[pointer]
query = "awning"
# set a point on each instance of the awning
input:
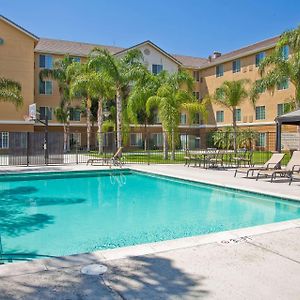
(292, 118)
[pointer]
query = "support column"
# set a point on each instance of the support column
(278, 137)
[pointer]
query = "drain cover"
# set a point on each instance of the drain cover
(94, 269)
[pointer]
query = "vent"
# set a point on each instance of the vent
(250, 119)
(245, 119)
(147, 51)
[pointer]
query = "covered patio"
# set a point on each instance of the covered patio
(292, 118)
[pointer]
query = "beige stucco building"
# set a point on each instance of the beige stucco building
(23, 55)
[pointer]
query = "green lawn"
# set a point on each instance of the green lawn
(259, 157)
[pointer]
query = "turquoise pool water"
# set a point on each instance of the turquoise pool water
(67, 213)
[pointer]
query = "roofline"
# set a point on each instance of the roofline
(153, 45)
(10, 22)
(211, 64)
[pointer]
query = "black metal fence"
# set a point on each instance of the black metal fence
(34, 148)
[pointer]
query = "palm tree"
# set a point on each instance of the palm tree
(10, 91)
(230, 95)
(59, 74)
(122, 72)
(145, 87)
(170, 100)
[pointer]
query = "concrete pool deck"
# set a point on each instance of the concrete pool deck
(261, 262)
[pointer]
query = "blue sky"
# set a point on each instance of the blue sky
(188, 27)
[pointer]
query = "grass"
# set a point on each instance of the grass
(258, 158)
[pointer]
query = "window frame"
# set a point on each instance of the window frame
(138, 139)
(159, 68)
(45, 82)
(6, 134)
(49, 112)
(258, 112)
(258, 59)
(222, 114)
(219, 70)
(240, 114)
(47, 58)
(234, 66)
(72, 113)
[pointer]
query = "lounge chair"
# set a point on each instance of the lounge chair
(294, 177)
(293, 166)
(272, 164)
(114, 160)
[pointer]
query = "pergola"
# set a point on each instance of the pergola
(292, 118)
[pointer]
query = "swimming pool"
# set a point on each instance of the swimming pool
(64, 213)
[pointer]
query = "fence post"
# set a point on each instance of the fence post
(76, 151)
(27, 148)
(148, 148)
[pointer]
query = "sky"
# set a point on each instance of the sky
(189, 27)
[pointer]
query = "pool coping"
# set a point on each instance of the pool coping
(224, 238)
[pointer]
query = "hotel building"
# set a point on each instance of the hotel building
(23, 55)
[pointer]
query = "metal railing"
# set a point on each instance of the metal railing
(138, 147)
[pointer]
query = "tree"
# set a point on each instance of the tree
(59, 74)
(10, 91)
(122, 71)
(145, 87)
(171, 98)
(230, 95)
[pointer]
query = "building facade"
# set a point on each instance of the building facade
(23, 55)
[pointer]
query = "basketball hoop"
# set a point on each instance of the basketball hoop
(32, 112)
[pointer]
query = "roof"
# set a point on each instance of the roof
(260, 46)
(292, 118)
(6, 20)
(154, 46)
(190, 61)
(74, 48)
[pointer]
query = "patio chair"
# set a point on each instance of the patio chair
(272, 164)
(189, 158)
(115, 160)
(241, 157)
(293, 166)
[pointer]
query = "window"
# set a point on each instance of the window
(261, 140)
(156, 69)
(219, 70)
(45, 87)
(197, 95)
(283, 108)
(183, 118)
(260, 112)
(74, 114)
(285, 51)
(75, 59)
(238, 114)
(46, 61)
(196, 75)
(136, 139)
(4, 140)
(196, 118)
(220, 116)
(236, 66)
(283, 85)
(75, 139)
(259, 57)
(45, 111)
(157, 139)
